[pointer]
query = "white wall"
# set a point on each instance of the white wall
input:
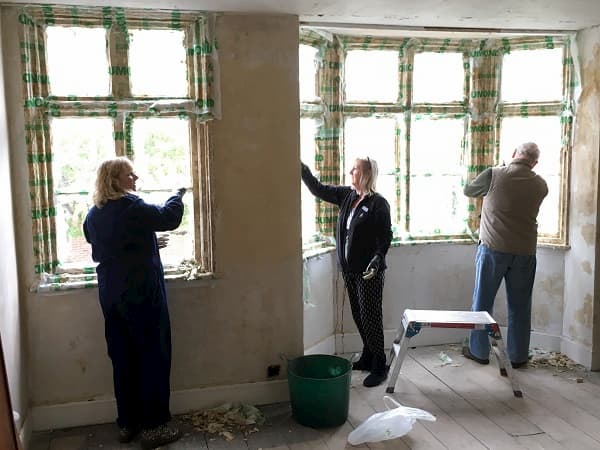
(433, 276)
(10, 309)
(319, 292)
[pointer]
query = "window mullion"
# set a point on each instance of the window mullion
(119, 135)
(118, 61)
(404, 216)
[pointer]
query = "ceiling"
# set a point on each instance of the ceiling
(471, 14)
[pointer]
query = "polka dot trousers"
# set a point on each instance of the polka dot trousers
(366, 305)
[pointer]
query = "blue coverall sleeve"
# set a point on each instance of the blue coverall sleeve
(159, 218)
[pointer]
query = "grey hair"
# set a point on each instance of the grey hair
(528, 150)
(369, 174)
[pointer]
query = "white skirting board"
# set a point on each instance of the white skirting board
(577, 352)
(351, 342)
(105, 410)
(25, 433)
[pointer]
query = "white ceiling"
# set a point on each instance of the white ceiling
(470, 14)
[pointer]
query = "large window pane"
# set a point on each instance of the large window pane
(308, 130)
(371, 76)
(375, 138)
(162, 161)
(308, 73)
(162, 153)
(532, 75)
(437, 203)
(72, 247)
(158, 63)
(546, 133)
(438, 77)
(180, 246)
(77, 62)
(79, 145)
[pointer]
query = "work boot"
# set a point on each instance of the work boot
(518, 365)
(378, 373)
(160, 435)
(466, 351)
(376, 377)
(365, 362)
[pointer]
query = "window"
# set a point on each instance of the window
(434, 113)
(313, 138)
(113, 82)
(535, 109)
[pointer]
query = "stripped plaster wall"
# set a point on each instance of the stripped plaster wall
(581, 268)
(227, 330)
(10, 308)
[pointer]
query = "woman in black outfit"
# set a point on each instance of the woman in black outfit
(364, 234)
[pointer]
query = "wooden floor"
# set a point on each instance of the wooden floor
(474, 406)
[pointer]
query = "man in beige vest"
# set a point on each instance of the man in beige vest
(507, 249)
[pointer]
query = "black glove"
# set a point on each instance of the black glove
(372, 268)
(181, 191)
(305, 171)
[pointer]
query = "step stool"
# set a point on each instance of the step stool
(413, 320)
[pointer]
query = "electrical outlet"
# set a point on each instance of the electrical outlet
(273, 371)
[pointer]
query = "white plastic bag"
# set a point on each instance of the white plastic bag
(391, 424)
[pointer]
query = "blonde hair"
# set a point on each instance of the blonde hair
(368, 179)
(108, 186)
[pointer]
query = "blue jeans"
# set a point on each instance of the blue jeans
(518, 272)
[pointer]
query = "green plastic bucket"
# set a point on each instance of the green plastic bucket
(319, 390)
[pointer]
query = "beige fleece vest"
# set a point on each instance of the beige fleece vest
(510, 209)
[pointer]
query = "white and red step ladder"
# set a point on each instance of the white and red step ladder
(414, 320)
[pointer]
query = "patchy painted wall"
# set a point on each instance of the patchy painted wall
(581, 268)
(441, 276)
(10, 308)
(227, 330)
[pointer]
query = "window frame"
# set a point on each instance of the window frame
(121, 107)
(405, 108)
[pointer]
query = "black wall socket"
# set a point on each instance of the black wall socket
(273, 371)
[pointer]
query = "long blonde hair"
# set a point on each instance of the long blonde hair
(108, 186)
(368, 179)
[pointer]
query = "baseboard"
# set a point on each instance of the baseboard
(543, 341)
(24, 433)
(578, 352)
(351, 342)
(104, 410)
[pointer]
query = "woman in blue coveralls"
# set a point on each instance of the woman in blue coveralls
(121, 228)
(364, 234)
